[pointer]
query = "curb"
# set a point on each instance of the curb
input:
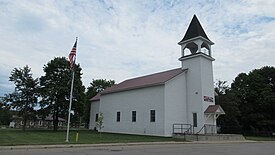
(117, 144)
(83, 145)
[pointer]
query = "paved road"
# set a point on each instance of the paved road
(260, 148)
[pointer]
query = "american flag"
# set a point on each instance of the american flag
(72, 55)
(208, 99)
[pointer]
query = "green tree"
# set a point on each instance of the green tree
(221, 87)
(55, 90)
(5, 114)
(255, 94)
(24, 97)
(96, 86)
(229, 122)
(99, 123)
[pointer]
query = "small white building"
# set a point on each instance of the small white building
(174, 101)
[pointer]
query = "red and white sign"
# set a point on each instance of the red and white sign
(208, 99)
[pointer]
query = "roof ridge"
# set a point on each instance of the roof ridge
(152, 74)
(154, 79)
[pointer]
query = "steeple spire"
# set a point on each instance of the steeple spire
(194, 30)
(195, 40)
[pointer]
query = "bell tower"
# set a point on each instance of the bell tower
(195, 40)
(196, 57)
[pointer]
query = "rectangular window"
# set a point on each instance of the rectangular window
(195, 120)
(118, 116)
(59, 123)
(96, 117)
(152, 115)
(40, 123)
(134, 116)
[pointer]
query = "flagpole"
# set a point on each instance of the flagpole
(70, 107)
(72, 57)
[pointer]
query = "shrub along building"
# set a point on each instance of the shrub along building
(174, 101)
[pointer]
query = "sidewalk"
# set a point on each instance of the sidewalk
(115, 144)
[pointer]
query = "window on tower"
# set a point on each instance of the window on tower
(195, 120)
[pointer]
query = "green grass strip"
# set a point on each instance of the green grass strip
(9, 137)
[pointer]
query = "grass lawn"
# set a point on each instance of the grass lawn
(36, 137)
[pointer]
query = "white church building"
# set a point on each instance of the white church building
(175, 101)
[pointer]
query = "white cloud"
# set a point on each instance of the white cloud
(124, 39)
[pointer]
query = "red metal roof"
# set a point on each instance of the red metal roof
(96, 98)
(142, 82)
(214, 109)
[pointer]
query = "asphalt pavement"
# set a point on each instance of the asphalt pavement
(113, 144)
(155, 148)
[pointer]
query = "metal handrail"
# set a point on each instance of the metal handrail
(183, 128)
(210, 129)
(206, 127)
(201, 129)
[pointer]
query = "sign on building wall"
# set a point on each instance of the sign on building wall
(208, 99)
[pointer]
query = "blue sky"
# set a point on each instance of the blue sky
(122, 39)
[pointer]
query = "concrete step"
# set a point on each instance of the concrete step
(212, 137)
